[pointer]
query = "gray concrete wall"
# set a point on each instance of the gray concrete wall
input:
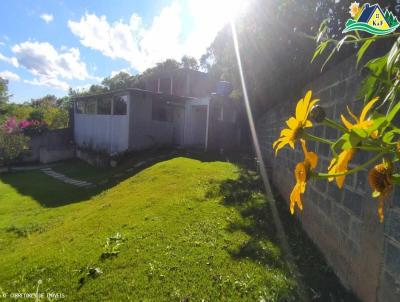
(343, 223)
(223, 133)
(52, 145)
(144, 131)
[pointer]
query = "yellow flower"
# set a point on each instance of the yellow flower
(296, 124)
(362, 122)
(302, 173)
(339, 165)
(380, 180)
(355, 9)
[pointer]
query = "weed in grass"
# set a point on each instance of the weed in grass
(112, 246)
(86, 273)
(25, 231)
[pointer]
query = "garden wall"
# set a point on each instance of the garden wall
(50, 146)
(364, 253)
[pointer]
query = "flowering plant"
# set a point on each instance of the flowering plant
(370, 132)
(373, 131)
(28, 127)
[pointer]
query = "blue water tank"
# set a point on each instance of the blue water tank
(224, 88)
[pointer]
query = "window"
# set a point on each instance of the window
(104, 106)
(120, 105)
(80, 107)
(91, 106)
(160, 111)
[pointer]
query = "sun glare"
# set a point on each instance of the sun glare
(216, 13)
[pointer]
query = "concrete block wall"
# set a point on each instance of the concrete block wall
(364, 253)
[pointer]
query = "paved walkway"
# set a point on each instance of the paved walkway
(61, 177)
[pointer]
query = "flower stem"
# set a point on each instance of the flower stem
(330, 123)
(316, 138)
(359, 168)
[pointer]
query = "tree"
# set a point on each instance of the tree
(3, 91)
(121, 80)
(43, 102)
(190, 63)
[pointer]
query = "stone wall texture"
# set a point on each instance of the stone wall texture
(364, 253)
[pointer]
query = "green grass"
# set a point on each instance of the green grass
(190, 230)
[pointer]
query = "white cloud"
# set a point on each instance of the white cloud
(47, 17)
(13, 61)
(143, 46)
(43, 60)
(49, 66)
(9, 75)
(50, 82)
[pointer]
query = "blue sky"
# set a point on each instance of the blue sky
(47, 46)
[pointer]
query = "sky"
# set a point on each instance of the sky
(47, 46)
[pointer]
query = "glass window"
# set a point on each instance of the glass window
(91, 106)
(80, 107)
(120, 105)
(104, 105)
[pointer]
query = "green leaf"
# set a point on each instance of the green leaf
(363, 49)
(320, 49)
(328, 58)
(389, 136)
(360, 132)
(380, 121)
(393, 56)
(393, 112)
(350, 140)
(371, 83)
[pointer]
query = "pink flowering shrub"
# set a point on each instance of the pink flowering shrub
(10, 125)
(27, 127)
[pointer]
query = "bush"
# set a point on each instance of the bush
(12, 146)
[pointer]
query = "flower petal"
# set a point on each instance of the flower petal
(279, 146)
(312, 158)
(292, 123)
(367, 108)
(346, 122)
(307, 124)
(300, 110)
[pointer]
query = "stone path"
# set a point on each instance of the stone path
(61, 177)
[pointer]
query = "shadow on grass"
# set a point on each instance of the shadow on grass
(50, 192)
(245, 194)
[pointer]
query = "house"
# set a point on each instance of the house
(176, 109)
(374, 16)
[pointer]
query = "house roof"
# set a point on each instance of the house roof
(368, 11)
(120, 91)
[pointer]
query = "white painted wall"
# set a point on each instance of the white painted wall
(102, 132)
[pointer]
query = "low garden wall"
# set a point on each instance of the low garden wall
(344, 224)
(51, 146)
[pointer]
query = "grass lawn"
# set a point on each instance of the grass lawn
(179, 230)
